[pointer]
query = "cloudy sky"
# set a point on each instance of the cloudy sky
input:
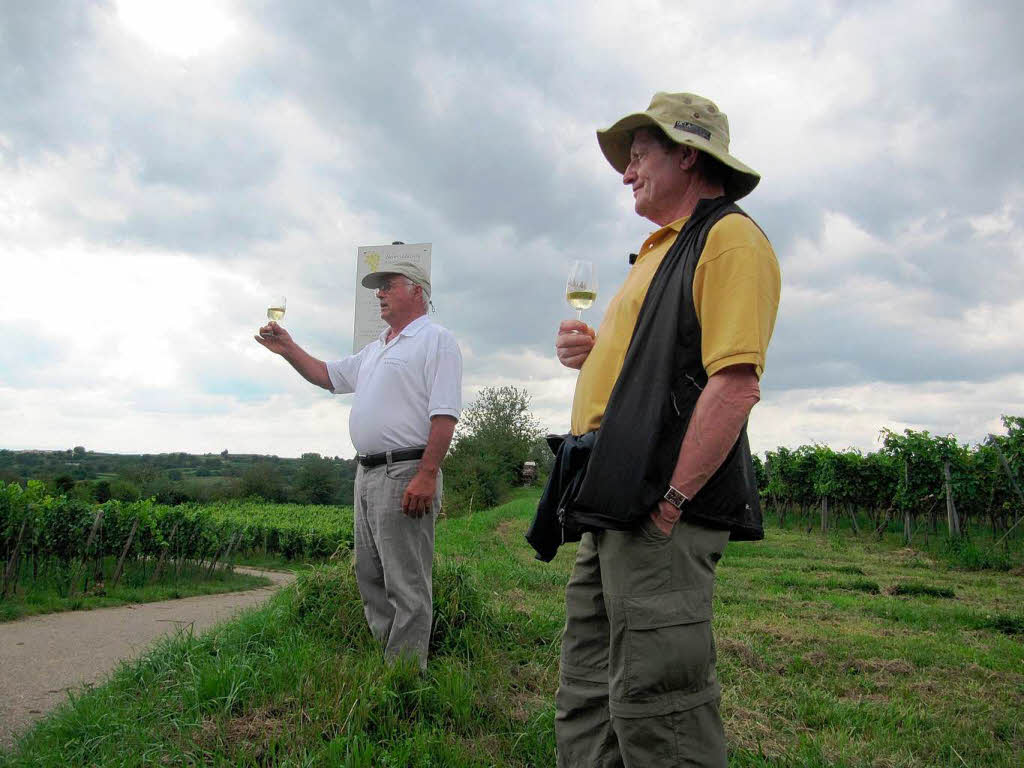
(166, 167)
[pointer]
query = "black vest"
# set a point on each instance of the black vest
(650, 407)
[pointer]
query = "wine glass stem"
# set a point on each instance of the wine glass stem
(579, 315)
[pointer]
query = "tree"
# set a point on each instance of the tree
(263, 479)
(318, 481)
(540, 453)
(496, 435)
(500, 421)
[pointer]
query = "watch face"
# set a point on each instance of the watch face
(674, 497)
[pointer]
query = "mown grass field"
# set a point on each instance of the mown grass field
(831, 652)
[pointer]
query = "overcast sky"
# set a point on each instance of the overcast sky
(167, 167)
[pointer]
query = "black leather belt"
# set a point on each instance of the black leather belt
(376, 459)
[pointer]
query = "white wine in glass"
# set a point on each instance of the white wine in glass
(581, 287)
(275, 313)
(276, 309)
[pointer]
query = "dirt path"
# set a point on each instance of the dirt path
(41, 657)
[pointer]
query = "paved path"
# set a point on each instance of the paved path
(41, 657)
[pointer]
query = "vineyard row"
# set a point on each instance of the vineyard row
(915, 477)
(60, 534)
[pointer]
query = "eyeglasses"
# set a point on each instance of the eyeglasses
(387, 285)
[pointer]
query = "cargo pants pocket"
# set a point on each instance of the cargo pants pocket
(669, 654)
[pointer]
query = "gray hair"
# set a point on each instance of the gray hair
(710, 168)
(425, 292)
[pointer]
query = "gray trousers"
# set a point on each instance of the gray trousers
(637, 684)
(394, 559)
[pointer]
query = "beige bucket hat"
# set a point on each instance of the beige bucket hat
(686, 119)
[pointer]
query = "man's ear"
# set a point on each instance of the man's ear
(687, 158)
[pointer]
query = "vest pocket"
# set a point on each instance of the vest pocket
(668, 643)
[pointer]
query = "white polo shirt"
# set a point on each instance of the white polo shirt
(400, 385)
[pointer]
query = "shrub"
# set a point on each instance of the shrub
(124, 490)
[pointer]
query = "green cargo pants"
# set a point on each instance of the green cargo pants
(637, 686)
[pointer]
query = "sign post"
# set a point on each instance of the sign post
(374, 258)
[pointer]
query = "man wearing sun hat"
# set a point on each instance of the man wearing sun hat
(408, 397)
(661, 403)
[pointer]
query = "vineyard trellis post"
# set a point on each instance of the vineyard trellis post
(11, 571)
(124, 553)
(1009, 531)
(952, 519)
(880, 530)
(1006, 467)
(85, 552)
(97, 562)
(907, 533)
(236, 539)
(1013, 482)
(217, 553)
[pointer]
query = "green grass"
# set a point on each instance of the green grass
(50, 594)
(818, 671)
(822, 661)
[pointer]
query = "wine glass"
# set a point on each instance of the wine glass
(276, 308)
(581, 287)
(275, 311)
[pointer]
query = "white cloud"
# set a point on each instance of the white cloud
(184, 29)
(852, 416)
(162, 175)
(283, 425)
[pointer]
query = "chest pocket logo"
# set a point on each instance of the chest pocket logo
(396, 362)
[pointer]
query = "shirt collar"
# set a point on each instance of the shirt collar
(676, 225)
(660, 234)
(411, 329)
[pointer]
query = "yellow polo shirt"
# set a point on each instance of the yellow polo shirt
(736, 289)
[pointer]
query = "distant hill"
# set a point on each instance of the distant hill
(174, 478)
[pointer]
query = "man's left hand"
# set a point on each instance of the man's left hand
(419, 495)
(665, 517)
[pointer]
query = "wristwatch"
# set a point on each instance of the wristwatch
(675, 497)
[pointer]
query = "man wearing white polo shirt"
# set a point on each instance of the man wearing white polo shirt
(407, 388)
